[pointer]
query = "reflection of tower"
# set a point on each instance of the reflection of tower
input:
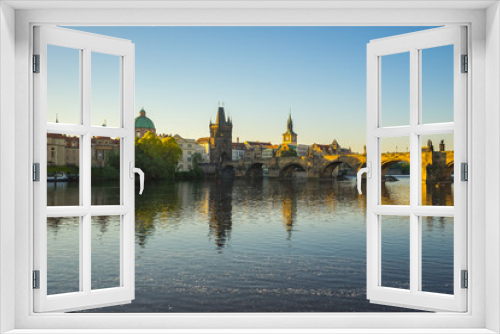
(221, 138)
(289, 209)
(289, 137)
(220, 212)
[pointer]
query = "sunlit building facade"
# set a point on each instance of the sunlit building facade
(189, 147)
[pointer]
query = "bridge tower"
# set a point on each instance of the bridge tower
(289, 137)
(221, 138)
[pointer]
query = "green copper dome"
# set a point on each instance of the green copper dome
(143, 122)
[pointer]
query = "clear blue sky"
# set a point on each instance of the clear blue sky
(260, 73)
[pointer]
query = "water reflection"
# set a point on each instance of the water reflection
(220, 212)
(63, 193)
(435, 194)
(438, 194)
(256, 246)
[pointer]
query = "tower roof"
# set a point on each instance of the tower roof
(289, 124)
(221, 117)
(144, 122)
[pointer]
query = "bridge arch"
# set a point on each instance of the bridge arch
(450, 168)
(388, 160)
(327, 171)
(256, 169)
(287, 170)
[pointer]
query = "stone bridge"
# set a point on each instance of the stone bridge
(285, 167)
(436, 166)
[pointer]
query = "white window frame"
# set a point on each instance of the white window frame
(86, 44)
(484, 82)
(414, 44)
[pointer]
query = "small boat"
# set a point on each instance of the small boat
(57, 177)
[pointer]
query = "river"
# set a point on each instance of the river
(259, 245)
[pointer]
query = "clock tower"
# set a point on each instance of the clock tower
(289, 137)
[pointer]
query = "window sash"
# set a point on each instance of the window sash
(86, 297)
(413, 43)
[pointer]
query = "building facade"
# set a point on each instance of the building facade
(205, 142)
(332, 149)
(254, 149)
(238, 151)
(221, 138)
(189, 147)
(63, 150)
(102, 147)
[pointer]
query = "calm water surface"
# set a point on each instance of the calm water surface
(251, 246)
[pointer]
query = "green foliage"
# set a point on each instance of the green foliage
(405, 168)
(105, 173)
(197, 159)
(114, 159)
(68, 169)
(288, 153)
(196, 173)
(157, 157)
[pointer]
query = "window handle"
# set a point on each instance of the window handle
(368, 172)
(139, 171)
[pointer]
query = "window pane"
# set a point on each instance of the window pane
(63, 249)
(395, 176)
(105, 252)
(437, 254)
(437, 170)
(105, 188)
(105, 90)
(395, 251)
(395, 89)
(437, 84)
(63, 85)
(63, 170)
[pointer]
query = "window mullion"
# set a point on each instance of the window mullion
(415, 252)
(85, 180)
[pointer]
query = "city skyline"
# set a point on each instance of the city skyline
(182, 73)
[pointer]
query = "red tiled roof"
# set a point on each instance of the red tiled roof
(239, 146)
(256, 143)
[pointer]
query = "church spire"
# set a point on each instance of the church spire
(289, 123)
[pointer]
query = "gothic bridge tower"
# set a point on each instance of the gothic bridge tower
(221, 138)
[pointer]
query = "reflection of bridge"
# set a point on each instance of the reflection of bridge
(436, 166)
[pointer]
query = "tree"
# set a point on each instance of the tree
(197, 159)
(288, 153)
(157, 157)
(114, 159)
